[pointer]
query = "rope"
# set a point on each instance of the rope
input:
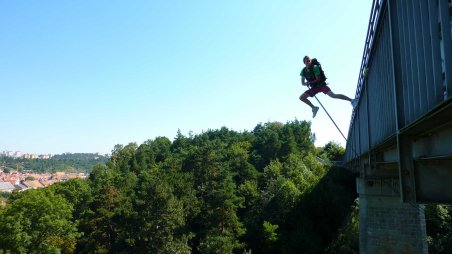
(337, 127)
(331, 118)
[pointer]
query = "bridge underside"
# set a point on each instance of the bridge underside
(414, 164)
(415, 167)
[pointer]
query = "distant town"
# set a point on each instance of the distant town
(20, 155)
(14, 180)
(20, 175)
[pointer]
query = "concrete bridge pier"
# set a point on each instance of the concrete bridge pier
(386, 224)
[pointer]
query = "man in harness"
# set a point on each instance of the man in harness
(312, 76)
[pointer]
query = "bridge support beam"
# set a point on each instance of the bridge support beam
(425, 158)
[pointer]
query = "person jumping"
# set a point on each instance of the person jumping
(315, 77)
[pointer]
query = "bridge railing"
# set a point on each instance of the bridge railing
(406, 70)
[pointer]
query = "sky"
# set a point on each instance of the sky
(82, 76)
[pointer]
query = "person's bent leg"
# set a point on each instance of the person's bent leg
(338, 96)
(304, 98)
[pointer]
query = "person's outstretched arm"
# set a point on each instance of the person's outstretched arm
(303, 81)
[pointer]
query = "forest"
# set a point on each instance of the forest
(269, 190)
(67, 162)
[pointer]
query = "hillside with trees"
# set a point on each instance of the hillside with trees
(67, 162)
(265, 191)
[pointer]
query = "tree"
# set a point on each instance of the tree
(320, 212)
(270, 232)
(30, 178)
(439, 228)
(104, 217)
(100, 226)
(332, 151)
(296, 138)
(267, 144)
(77, 192)
(347, 240)
(218, 223)
(238, 158)
(161, 219)
(122, 157)
(38, 221)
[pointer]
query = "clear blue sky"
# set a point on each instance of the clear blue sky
(82, 76)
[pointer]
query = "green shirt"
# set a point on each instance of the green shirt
(306, 72)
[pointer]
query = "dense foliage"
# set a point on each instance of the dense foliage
(265, 191)
(221, 191)
(439, 228)
(68, 162)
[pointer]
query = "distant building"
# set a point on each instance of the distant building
(35, 184)
(9, 153)
(16, 154)
(6, 187)
(44, 156)
(99, 154)
(30, 156)
(11, 178)
(47, 182)
(20, 187)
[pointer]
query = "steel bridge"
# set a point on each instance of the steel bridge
(400, 136)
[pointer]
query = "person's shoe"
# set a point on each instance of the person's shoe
(354, 102)
(314, 111)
